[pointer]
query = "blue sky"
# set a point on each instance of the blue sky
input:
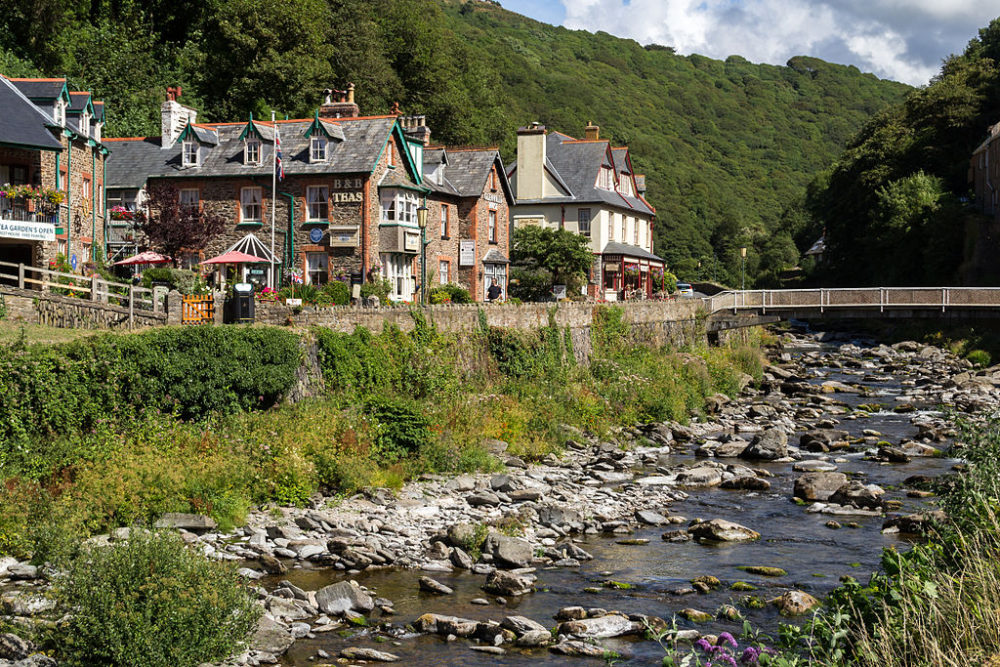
(905, 40)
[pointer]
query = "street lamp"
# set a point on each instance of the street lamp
(743, 268)
(422, 223)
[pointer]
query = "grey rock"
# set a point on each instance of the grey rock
(521, 624)
(856, 494)
(534, 638)
(370, 654)
(16, 603)
(271, 636)
(13, 647)
(651, 518)
(509, 552)
(610, 625)
(702, 476)
(461, 559)
(501, 582)
(578, 648)
(731, 449)
(22, 571)
(432, 586)
(483, 498)
(818, 486)
(720, 530)
(747, 483)
(342, 597)
(768, 445)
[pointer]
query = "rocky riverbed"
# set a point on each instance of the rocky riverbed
(753, 512)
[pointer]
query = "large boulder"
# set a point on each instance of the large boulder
(368, 654)
(818, 486)
(731, 449)
(767, 445)
(859, 495)
(795, 603)
(342, 597)
(13, 647)
(271, 637)
(500, 582)
(509, 552)
(720, 530)
(194, 523)
(700, 476)
(820, 440)
(610, 625)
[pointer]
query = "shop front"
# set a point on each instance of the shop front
(630, 273)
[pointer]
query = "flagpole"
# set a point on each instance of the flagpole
(274, 194)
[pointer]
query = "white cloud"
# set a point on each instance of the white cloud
(904, 40)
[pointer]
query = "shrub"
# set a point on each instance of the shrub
(379, 288)
(980, 358)
(185, 282)
(400, 428)
(449, 293)
(152, 600)
(336, 292)
(530, 284)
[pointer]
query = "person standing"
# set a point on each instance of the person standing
(494, 293)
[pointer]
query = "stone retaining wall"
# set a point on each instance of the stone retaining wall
(34, 307)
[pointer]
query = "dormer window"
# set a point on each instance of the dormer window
(97, 131)
(317, 149)
(60, 113)
(189, 153)
(251, 152)
(626, 185)
(85, 123)
(606, 179)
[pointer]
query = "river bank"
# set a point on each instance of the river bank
(582, 553)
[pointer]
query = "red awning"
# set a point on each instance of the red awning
(144, 258)
(236, 257)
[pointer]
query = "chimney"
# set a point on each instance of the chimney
(339, 103)
(592, 132)
(531, 161)
(415, 128)
(174, 117)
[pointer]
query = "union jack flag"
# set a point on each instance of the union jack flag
(279, 163)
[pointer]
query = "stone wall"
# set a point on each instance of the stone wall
(33, 307)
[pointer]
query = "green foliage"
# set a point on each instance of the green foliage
(563, 254)
(449, 294)
(899, 186)
(338, 292)
(379, 288)
(185, 282)
(530, 284)
(192, 372)
(399, 428)
(151, 596)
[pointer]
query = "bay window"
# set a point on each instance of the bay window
(399, 206)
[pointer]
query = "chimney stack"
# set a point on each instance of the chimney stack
(339, 103)
(531, 156)
(592, 132)
(415, 128)
(174, 117)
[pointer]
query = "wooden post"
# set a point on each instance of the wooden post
(131, 306)
(93, 289)
(20, 276)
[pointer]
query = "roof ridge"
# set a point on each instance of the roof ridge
(587, 141)
(27, 78)
(460, 149)
(127, 138)
(79, 92)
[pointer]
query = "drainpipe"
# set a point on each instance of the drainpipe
(290, 245)
(366, 198)
(93, 205)
(69, 200)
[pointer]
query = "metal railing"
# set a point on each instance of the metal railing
(855, 297)
(93, 288)
(21, 211)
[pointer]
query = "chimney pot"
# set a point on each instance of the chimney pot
(592, 132)
(339, 103)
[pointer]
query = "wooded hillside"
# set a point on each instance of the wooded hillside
(728, 147)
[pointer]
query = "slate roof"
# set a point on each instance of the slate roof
(465, 170)
(22, 123)
(132, 161)
(615, 248)
(575, 165)
(99, 112)
(78, 101)
(494, 256)
(40, 89)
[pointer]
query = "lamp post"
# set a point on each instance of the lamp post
(743, 268)
(422, 223)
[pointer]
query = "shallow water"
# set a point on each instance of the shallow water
(814, 556)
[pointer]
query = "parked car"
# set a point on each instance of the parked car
(685, 290)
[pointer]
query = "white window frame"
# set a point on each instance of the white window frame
(317, 263)
(248, 202)
(606, 178)
(398, 270)
(60, 113)
(189, 153)
(583, 214)
(97, 131)
(445, 221)
(495, 273)
(491, 226)
(399, 206)
(85, 124)
(444, 272)
(317, 149)
(317, 203)
(253, 152)
(625, 184)
(185, 199)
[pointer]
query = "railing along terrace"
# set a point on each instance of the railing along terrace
(855, 297)
(18, 211)
(94, 288)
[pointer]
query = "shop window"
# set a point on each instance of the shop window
(251, 204)
(583, 221)
(317, 268)
(318, 202)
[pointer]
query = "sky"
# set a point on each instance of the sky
(904, 40)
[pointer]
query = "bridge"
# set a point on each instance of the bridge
(763, 306)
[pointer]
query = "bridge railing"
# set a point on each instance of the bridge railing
(855, 297)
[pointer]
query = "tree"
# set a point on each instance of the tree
(171, 227)
(563, 254)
